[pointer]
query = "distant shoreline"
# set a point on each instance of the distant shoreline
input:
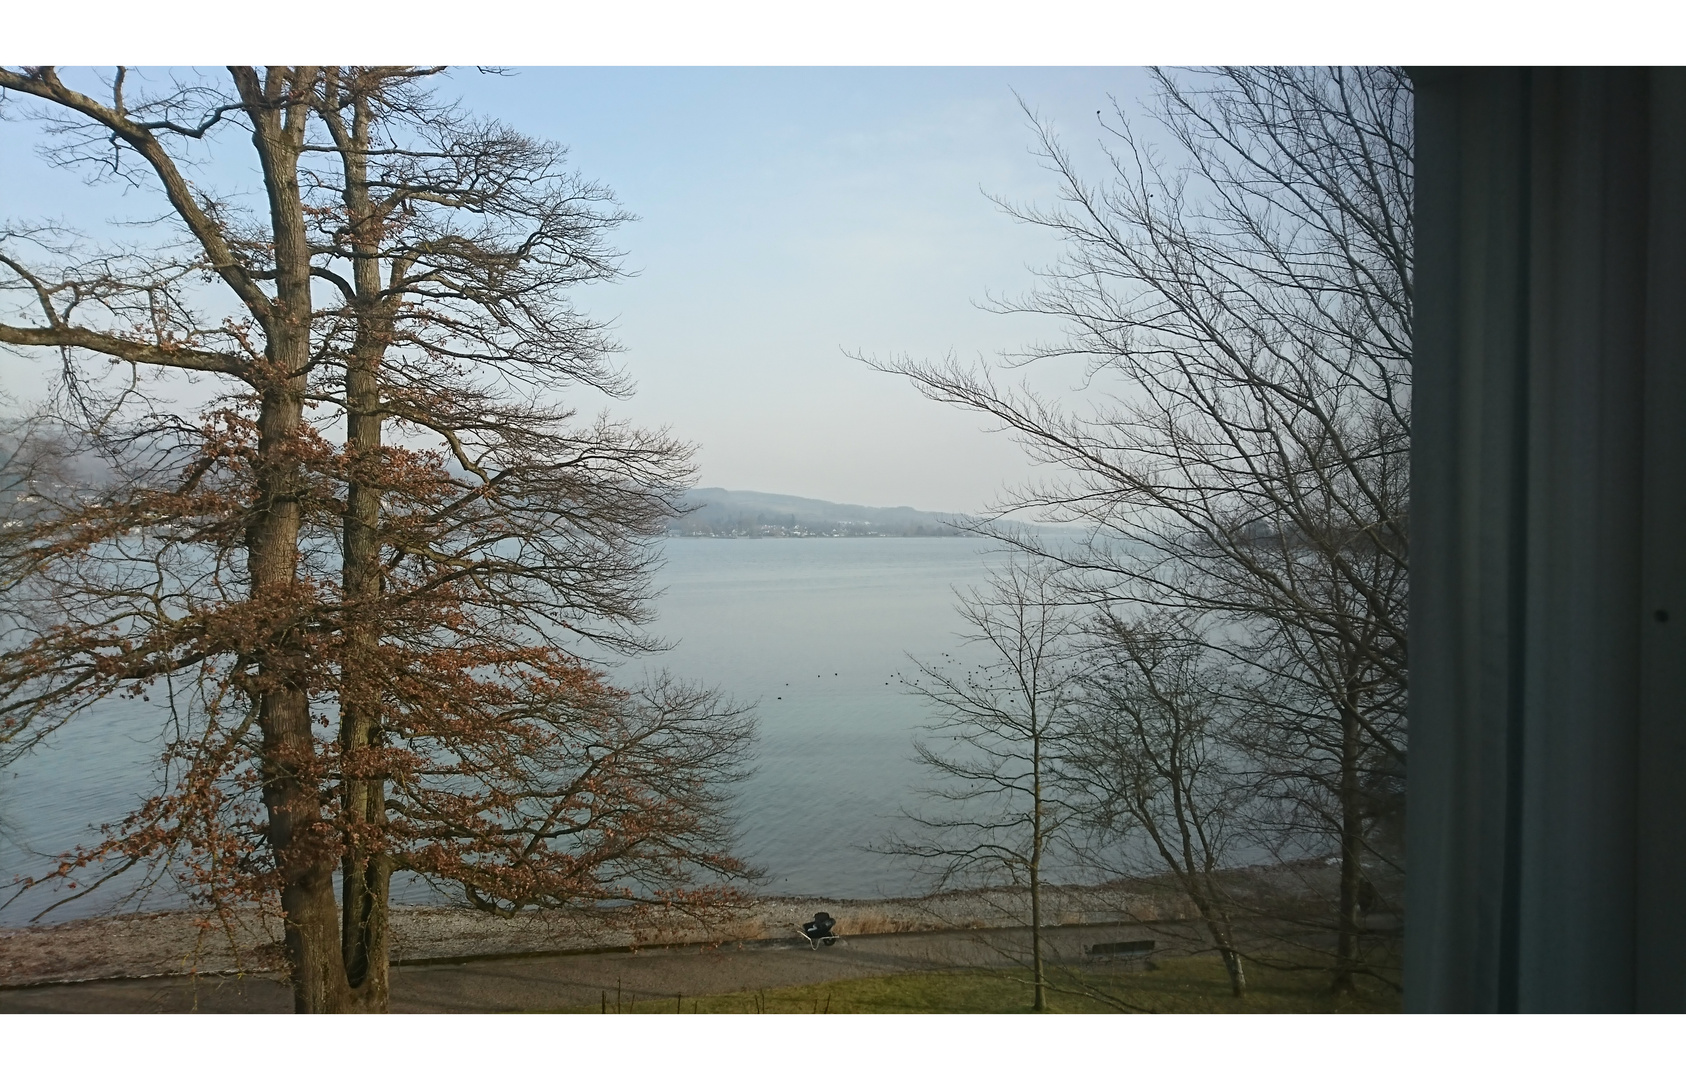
(822, 536)
(720, 513)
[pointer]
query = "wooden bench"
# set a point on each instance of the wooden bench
(1121, 950)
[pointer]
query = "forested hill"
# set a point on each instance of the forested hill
(719, 512)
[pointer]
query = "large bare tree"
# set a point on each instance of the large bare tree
(434, 602)
(1003, 717)
(1151, 763)
(1241, 294)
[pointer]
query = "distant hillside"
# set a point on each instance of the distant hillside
(719, 512)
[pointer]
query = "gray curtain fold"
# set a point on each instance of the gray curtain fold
(1546, 838)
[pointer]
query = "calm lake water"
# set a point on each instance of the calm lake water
(813, 632)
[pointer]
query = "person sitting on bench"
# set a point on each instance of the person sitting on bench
(820, 930)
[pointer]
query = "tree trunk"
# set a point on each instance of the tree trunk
(1199, 889)
(1237, 974)
(365, 874)
(1040, 1003)
(1352, 871)
(1225, 940)
(298, 837)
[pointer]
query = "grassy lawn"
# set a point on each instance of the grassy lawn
(1182, 984)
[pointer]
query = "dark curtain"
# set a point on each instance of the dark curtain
(1547, 842)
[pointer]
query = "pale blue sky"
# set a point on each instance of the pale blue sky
(786, 215)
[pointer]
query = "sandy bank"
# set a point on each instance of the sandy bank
(185, 943)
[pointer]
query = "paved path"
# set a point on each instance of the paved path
(584, 981)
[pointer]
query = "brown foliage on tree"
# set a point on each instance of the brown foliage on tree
(378, 579)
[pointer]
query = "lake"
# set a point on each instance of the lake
(813, 632)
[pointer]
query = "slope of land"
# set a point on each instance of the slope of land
(973, 971)
(955, 951)
(179, 943)
(723, 513)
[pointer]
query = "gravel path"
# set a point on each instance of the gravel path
(589, 981)
(180, 943)
(452, 959)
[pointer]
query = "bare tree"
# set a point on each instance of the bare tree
(133, 309)
(1242, 453)
(1151, 754)
(1002, 722)
(434, 606)
(453, 249)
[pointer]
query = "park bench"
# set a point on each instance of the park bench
(1121, 950)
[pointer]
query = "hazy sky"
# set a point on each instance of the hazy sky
(785, 216)
(788, 215)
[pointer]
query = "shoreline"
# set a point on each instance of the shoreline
(174, 943)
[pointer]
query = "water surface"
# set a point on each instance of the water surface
(813, 632)
(816, 632)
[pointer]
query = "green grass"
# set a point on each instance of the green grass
(1181, 984)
